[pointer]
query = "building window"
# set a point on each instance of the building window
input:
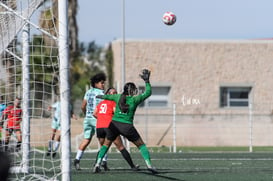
(234, 96)
(159, 97)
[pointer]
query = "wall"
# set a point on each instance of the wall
(196, 70)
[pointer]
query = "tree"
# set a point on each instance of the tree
(85, 60)
(88, 63)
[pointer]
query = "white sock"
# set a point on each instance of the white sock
(56, 146)
(50, 144)
(79, 154)
(105, 157)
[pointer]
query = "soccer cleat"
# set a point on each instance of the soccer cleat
(17, 149)
(96, 169)
(54, 154)
(104, 166)
(135, 168)
(48, 153)
(77, 164)
(153, 170)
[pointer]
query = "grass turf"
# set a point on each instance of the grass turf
(190, 164)
(186, 166)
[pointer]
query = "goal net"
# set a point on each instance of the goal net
(32, 68)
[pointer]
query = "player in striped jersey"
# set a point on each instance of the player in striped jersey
(89, 104)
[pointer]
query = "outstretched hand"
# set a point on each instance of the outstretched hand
(145, 75)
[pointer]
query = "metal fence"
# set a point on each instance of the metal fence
(248, 127)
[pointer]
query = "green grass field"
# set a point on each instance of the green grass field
(186, 167)
(192, 164)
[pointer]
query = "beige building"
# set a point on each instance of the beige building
(221, 90)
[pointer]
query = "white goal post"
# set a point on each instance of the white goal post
(64, 89)
(34, 65)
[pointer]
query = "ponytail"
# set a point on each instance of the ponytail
(122, 103)
(129, 89)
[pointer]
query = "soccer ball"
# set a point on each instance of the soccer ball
(169, 18)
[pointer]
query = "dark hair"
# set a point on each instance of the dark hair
(97, 78)
(128, 89)
(108, 90)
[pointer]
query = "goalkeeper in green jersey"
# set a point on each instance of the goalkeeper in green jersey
(122, 121)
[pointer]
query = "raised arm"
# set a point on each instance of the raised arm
(145, 75)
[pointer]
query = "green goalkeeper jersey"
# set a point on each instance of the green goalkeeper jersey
(132, 101)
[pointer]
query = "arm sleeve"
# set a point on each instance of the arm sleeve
(147, 93)
(113, 97)
(99, 97)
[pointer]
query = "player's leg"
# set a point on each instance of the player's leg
(111, 134)
(101, 141)
(57, 142)
(7, 137)
(101, 134)
(51, 142)
(19, 139)
(144, 151)
(54, 130)
(126, 155)
(103, 150)
(58, 138)
(145, 154)
(52, 136)
(89, 131)
(80, 152)
(132, 135)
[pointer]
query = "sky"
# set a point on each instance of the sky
(102, 20)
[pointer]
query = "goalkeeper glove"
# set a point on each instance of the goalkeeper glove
(145, 75)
